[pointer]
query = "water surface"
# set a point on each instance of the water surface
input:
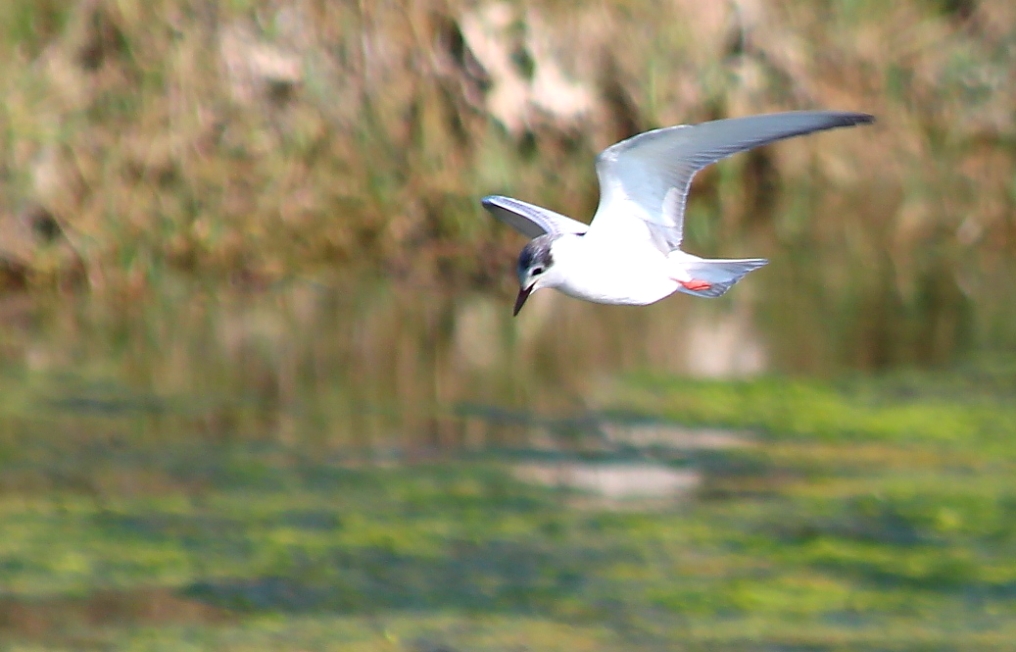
(371, 365)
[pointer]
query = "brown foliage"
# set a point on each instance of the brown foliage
(276, 136)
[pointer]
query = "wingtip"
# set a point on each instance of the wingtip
(861, 118)
(491, 202)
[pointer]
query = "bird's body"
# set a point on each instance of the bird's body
(630, 254)
(584, 268)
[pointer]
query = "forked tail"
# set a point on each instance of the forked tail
(712, 278)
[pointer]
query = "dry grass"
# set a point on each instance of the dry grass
(255, 138)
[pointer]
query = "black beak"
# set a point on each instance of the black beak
(521, 299)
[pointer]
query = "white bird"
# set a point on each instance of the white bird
(630, 253)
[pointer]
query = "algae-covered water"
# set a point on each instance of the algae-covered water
(355, 465)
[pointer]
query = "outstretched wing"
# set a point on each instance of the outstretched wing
(530, 220)
(647, 177)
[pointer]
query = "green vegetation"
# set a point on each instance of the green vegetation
(871, 514)
(960, 410)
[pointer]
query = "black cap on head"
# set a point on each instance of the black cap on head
(536, 252)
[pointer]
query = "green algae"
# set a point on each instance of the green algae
(871, 534)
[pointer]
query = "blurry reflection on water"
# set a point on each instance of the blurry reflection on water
(614, 481)
(367, 366)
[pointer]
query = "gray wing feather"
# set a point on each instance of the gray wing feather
(530, 220)
(654, 170)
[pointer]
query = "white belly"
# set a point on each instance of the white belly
(614, 275)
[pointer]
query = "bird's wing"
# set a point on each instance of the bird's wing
(646, 178)
(530, 220)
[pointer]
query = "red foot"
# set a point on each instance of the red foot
(695, 285)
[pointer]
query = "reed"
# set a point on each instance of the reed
(254, 139)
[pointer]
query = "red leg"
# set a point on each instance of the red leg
(695, 285)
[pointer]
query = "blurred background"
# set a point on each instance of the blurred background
(260, 386)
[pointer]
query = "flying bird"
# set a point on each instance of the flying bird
(630, 254)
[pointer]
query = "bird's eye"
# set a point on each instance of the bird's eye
(537, 270)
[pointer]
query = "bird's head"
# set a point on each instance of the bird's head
(534, 269)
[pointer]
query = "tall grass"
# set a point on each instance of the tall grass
(258, 138)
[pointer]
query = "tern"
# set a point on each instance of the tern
(630, 254)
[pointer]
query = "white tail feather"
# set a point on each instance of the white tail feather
(719, 274)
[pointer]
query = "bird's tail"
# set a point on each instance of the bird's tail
(712, 278)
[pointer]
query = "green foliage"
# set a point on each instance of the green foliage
(30, 25)
(865, 411)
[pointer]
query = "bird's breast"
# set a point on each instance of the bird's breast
(613, 275)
